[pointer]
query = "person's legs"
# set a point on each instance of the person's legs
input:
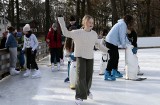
(34, 66)
(89, 73)
(68, 68)
(52, 53)
(111, 62)
(33, 60)
(81, 85)
(13, 57)
(28, 57)
(13, 61)
(52, 58)
(57, 55)
(115, 71)
(61, 52)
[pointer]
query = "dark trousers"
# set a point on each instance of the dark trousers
(84, 77)
(61, 52)
(114, 57)
(31, 59)
(69, 64)
(55, 54)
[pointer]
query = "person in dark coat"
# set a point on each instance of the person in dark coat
(3, 40)
(54, 40)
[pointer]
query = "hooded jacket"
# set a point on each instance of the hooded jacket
(117, 35)
(55, 38)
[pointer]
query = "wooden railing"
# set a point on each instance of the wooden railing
(42, 51)
(4, 62)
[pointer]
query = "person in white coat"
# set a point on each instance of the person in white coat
(84, 40)
(30, 45)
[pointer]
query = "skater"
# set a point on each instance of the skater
(3, 40)
(69, 44)
(132, 37)
(29, 47)
(104, 59)
(72, 72)
(116, 37)
(11, 45)
(54, 40)
(84, 40)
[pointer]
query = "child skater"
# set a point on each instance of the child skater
(84, 40)
(30, 45)
(132, 37)
(11, 45)
(69, 44)
(54, 40)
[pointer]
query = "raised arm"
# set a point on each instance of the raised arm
(64, 29)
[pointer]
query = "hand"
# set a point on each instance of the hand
(48, 40)
(61, 21)
(134, 50)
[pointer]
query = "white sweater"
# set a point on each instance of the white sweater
(30, 42)
(84, 41)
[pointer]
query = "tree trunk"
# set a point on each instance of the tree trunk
(17, 9)
(47, 16)
(114, 12)
(12, 12)
(83, 6)
(123, 7)
(78, 10)
(89, 9)
(147, 30)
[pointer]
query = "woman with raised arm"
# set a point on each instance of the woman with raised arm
(84, 40)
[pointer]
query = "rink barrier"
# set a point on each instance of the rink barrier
(42, 51)
(4, 62)
(148, 42)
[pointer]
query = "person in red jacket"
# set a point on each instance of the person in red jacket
(54, 40)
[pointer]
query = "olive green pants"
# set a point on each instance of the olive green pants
(84, 77)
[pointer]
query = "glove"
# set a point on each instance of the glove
(134, 50)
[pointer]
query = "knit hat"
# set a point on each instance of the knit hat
(26, 28)
(72, 18)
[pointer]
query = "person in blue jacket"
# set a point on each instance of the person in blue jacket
(115, 38)
(11, 45)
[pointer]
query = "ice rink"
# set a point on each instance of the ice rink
(51, 89)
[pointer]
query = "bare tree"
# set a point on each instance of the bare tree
(17, 10)
(114, 12)
(89, 9)
(47, 15)
(78, 10)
